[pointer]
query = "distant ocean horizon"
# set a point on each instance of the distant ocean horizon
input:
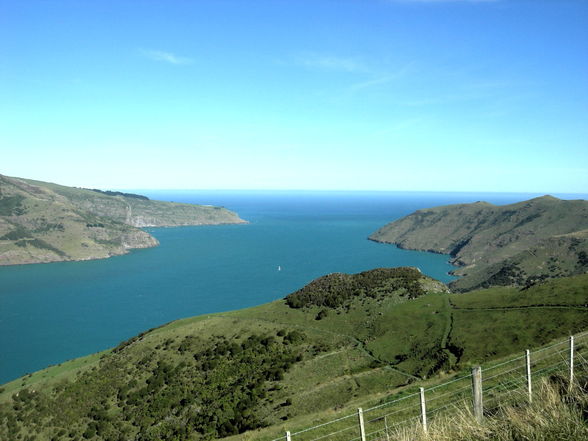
(50, 313)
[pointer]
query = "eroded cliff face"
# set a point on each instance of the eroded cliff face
(42, 222)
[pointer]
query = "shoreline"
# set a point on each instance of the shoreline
(126, 250)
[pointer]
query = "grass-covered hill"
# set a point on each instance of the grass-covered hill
(513, 244)
(294, 361)
(43, 222)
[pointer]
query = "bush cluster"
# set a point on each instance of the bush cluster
(338, 289)
(12, 205)
(187, 389)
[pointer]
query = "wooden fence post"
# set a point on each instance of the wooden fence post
(529, 387)
(571, 361)
(423, 409)
(361, 425)
(477, 392)
(288, 437)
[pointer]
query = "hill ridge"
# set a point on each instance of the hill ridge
(480, 237)
(44, 222)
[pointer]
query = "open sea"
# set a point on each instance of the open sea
(50, 313)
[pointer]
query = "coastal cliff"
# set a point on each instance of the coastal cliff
(43, 222)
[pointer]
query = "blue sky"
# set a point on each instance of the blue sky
(296, 94)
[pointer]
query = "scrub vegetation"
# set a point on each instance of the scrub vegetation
(252, 371)
(338, 289)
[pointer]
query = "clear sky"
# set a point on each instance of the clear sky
(296, 94)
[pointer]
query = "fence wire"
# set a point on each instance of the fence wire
(509, 376)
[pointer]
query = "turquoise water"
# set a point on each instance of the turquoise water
(54, 312)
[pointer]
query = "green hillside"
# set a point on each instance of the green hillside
(291, 360)
(557, 256)
(43, 222)
(513, 244)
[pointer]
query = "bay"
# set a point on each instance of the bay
(50, 313)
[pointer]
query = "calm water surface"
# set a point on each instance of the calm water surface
(54, 312)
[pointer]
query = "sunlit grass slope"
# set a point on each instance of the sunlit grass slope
(294, 361)
(556, 414)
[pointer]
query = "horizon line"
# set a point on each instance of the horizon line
(299, 190)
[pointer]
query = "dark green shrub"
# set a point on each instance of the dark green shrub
(338, 289)
(321, 315)
(11, 205)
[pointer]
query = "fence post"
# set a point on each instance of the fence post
(571, 361)
(288, 437)
(477, 392)
(361, 425)
(529, 387)
(423, 409)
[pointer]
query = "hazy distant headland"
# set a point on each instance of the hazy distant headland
(45, 222)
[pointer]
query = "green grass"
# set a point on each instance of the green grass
(47, 377)
(511, 331)
(568, 291)
(555, 414)
(359, 354)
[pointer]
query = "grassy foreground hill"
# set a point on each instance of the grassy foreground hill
(514, 244)
(340, 339)
(44, 222)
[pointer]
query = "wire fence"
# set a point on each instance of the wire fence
(566, 357)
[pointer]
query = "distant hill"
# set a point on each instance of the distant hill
(44, 222)
(218, 375)
(513, 244)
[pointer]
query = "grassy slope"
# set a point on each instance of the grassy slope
(356, 353)
(556, 256)
(555, 414)
(43, 226)
(43, 222)
(140, 212)
(499, 244)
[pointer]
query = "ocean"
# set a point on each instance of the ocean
(50, 313)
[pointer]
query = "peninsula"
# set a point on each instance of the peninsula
(43, 222)
(510, 245)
